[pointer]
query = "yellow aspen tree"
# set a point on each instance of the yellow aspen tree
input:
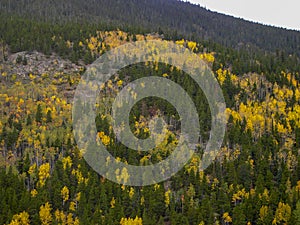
(70, 220)
(283, 213)
(112, 202)
(69, 44)
(180, 42)
(263, 212)
(65, 194)
(76, 221)
(44, 173)
(119, 83)
(167, 197)
(72, 206)
(45, 214)
(32, 169)
(59, 216)
(65, 219)
(67, 162)
(208, 57)
(192, 45)
(226, 217)
(131, 192)
(124, 175)
(33, 193)
(130, 221)
(142, 201)
(20, 219)
(220, 75)
(77, 198)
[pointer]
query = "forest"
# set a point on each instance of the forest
(44, 178)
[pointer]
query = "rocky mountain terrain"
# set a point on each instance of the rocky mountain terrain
(22, 64)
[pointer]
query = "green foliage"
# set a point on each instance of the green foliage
(255, 178)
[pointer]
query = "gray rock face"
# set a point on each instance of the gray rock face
(24, 63)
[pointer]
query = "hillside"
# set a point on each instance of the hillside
(45, 178)
(174, 18)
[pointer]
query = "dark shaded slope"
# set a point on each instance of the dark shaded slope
(171, 16)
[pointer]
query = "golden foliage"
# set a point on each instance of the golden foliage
(45, 214)
(65, 193)
(44, 173)
(130, 221)
(20, 219)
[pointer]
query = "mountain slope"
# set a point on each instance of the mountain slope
(176, 18)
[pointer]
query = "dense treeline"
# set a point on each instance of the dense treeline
(44, 178)
(28, 34)
(169, 16)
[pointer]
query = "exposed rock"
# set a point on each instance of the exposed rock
(24, 63)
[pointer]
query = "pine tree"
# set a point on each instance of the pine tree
(48, 117)
(296, 214)
(39, 114)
